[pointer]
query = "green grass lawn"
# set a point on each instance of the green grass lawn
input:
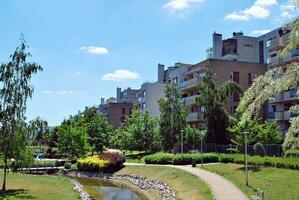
(23, 186)
(277, 183)
(186, 185)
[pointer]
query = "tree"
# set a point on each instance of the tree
(193, 136)
(212, 99)
(73, 138)
(270, 133)
(274, 82)
(15, 89)
(139, 132)
(172, 117)
(98, 129)
(37, 128)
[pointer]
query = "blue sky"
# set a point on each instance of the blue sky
(89, 47)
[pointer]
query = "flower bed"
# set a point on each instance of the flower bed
(92, 164)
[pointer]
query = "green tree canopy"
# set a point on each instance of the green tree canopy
(212, 99)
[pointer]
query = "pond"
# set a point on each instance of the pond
(108, 190)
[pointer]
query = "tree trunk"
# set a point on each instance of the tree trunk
(4, 175)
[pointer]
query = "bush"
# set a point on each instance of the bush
(259, 149)
(115, 160)
(67, 165)
(186, 159)
(45, 163)
(289, 163)
(159, 158)
(294, 153)
(92, 164)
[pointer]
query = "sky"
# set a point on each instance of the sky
(87, 48)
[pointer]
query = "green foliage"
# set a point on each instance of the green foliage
(92, 164)
(186, 159)
(139, 132)
(98, 129)
(289, 163)
(44, 163)
(67, 165)
(212, 99)
(37, 129)
(15, 89)
(159, 158)
(294, 153)
(259, 149)
(270, 133)
(73, 138)
(267, 133)
(172, 117)
(193, 136)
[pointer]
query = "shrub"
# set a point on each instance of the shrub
(289, 163)
(115, 160)
(92, 164)
(186, 159)
(74, 167)
(45, 163)
(159, 158)
(294, 153)
(67, 165)
(259, 149)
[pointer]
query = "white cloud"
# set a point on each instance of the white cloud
(259, 10)
(94, 50)
(287, 10)
(77, 73)
(180, 7)
(181, 4)
(259, 32)
(120, 74)
(63, 92)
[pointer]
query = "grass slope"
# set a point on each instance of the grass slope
(23, 186)
(186, 185)
(276, 183)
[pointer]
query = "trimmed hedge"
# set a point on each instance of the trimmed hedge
(292, 153)
(186, 159)
(159, 158)
(289, 163)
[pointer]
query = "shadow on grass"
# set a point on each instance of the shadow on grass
(16, 193)
(250, 168)
(136, 156)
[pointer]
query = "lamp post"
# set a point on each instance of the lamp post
(182, 141)
(246, 163)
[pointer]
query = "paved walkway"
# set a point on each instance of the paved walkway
(221, 188)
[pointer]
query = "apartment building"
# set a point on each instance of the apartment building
(273, 42)
(128, 95)
(242, 73)
(264, 50)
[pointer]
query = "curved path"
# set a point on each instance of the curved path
(221, 188)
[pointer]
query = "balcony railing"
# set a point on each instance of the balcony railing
(189, 100)
(195, 116)
(279, 42)
(190, 83)
(290, 95)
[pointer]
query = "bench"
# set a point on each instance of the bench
(258, 196)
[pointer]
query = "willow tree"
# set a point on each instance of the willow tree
(274, 82)
(15, 89)
(212, 98)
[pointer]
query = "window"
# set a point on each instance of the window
(235, 76)
(248, 45)
(274, 108)
(268, 43)
(123, 111)
(175, 80)
(122, 119)
(143, 106)
(143, 93)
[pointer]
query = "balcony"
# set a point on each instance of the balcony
(278, 98)
(277, 60)
(195, 116)
(189, 100)
(287, 115)
(281, 115)
(279, 43)
(290, 95)
(190, 83)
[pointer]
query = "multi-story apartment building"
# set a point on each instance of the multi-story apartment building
(150, 95)
(242, 73)
(264, 49)
(272, 43)
(127, 95)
